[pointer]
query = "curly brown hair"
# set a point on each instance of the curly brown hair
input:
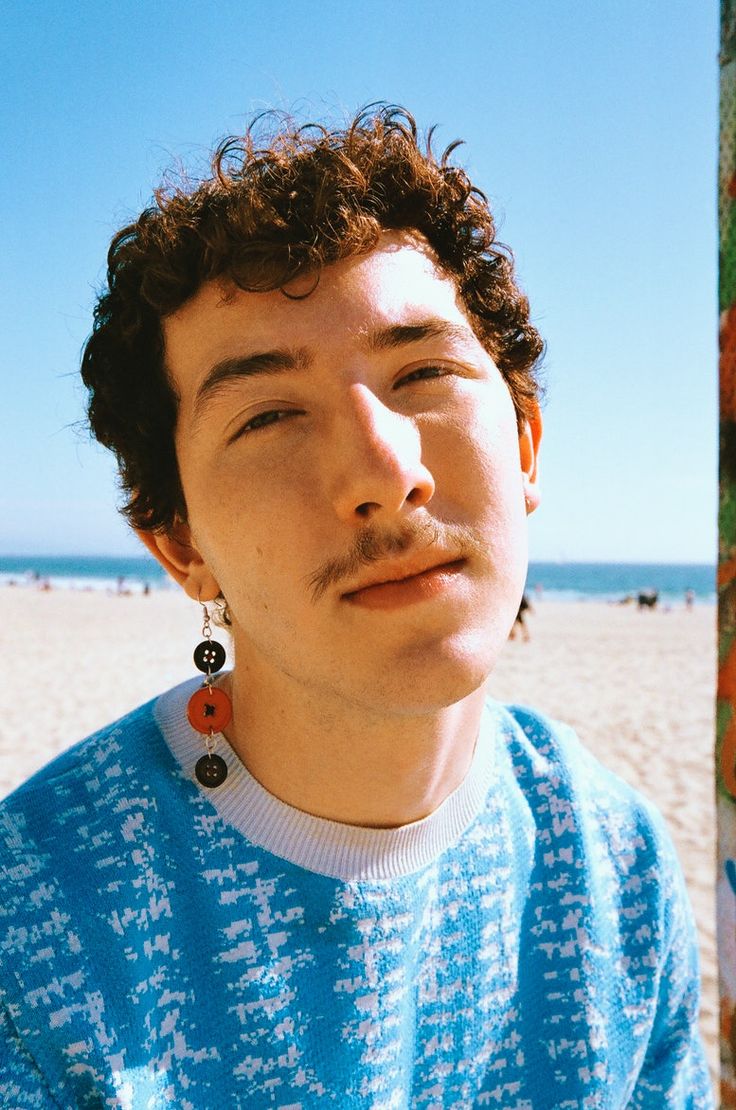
(284, 200)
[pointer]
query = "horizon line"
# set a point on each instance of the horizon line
(144, 556)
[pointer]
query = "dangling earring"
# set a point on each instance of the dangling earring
(209, 709)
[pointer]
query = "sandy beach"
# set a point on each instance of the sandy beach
(638, 687)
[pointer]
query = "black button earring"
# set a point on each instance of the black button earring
(209, 709)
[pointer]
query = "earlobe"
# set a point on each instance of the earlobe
(530, 437)
(178, 555)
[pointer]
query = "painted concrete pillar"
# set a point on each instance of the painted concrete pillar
(726, 706)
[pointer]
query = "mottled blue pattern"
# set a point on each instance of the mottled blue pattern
(152, 956)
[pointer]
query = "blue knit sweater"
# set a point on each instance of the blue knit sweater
(528, 946)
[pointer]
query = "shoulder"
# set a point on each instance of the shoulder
(581, 810)
(548, 757)
(86, 759)
(605, 910)
(94, 829)
(77, 793)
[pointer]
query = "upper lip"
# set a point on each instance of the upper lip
(394, 570)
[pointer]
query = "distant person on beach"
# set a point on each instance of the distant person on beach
(689, 598)
(647, 599)
(520, 619)
(335, 874)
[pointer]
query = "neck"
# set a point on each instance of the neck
(345, 762)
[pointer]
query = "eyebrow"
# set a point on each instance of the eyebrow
(247, 366)
(282, 360)
(434, 327)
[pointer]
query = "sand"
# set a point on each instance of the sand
(638, 687)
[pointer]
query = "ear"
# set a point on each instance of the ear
(176, 552)
(530, 436)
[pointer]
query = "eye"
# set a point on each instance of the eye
(262, 420)
(424, 373)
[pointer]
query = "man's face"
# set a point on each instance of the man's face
(355, 481)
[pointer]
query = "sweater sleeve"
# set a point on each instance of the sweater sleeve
(674, 1072)
(22, 1084)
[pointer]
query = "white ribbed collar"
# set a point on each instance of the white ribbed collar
(347, 852)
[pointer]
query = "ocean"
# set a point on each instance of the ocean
(556, 581)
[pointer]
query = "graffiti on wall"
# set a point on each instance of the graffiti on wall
(726, 705)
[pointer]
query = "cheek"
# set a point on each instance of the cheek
(478, 452)
(256, 540)
(235, 498)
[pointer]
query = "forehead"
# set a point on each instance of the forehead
(397, 282)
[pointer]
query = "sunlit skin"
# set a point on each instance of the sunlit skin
(358, 493)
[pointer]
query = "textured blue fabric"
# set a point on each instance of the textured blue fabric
(150, 955)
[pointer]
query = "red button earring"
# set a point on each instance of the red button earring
(209, 709)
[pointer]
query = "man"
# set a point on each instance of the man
(365, 887)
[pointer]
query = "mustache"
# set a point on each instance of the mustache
(373, 544)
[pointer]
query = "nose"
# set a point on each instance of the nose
(378, 470)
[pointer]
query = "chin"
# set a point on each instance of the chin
(419, 702)
(438, 679)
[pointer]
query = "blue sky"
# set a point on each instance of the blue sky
(591, 126)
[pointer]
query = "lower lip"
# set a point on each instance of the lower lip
(407, 591)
